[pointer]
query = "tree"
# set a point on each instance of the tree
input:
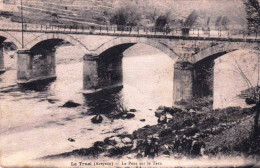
(128, 15)
(253, 14)
(160, 22)
(191, 19)
(254, 98)
(160, 19)
(218, 20)
(208, 21)
(120, 17)
(152, 15)
(224, 22)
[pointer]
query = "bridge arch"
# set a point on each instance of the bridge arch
(11, 38)
(126, 42)
(10, 61)
(51, 36)
(39, 56)
(103, 69)
(204, 69)
(222, 49)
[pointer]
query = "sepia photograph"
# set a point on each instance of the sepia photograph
(129, 83)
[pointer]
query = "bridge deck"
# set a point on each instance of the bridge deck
(195, 34)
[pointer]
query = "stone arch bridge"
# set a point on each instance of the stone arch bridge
(103, 48)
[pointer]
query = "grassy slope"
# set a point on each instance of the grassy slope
(78, 11)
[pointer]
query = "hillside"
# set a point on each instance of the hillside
(81, 12)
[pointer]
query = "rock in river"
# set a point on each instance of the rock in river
(70, 104)
(71, 140)
(97, 119)
(129, 115)
(132, 110)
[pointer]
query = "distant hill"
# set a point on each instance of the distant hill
(98, 12)
(68, 12)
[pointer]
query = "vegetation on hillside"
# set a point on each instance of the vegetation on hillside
(134, 12)
(191, 19)
(253, 14)
(222, 22)
(126, 15)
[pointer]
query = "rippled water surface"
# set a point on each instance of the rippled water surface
(33, 125)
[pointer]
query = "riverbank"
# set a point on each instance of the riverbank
(180, 133)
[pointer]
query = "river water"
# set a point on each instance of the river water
(33, 125)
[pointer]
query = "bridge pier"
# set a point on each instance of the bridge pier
(33, 68)
(24, 66)
(100, 75)
(183, 82)
(2, 65)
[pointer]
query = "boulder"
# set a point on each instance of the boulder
(165, 132)
(147, 126)
(158, 113)
(97, 119)
(119, 149)
(191, 131)
(156, 136)
(162, 119)
(192, 111)
(52, 101)
(120, 145)
(166, 152)
(126, 140)
(71, 140)
(129, 115)
(109, 147)
(132, 110)
(114, 140)
(99, 144)
(205, 109)
(250, 101)
(134, 144)
(119, 115)
(70, 104)
(142, 120)
(188, 122)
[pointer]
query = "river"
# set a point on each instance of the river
(33, 125)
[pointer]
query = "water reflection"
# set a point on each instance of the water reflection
(42, 86)
(103, 102)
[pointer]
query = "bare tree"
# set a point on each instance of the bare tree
(254, 96)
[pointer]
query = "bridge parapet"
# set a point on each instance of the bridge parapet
(194, 33)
